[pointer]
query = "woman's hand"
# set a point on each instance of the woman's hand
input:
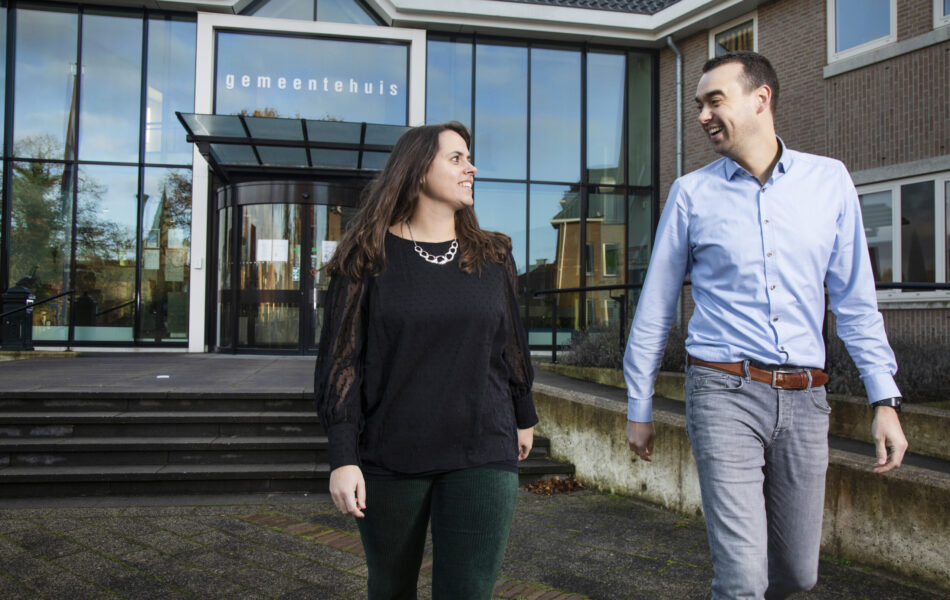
(348, 490)
(525, 442)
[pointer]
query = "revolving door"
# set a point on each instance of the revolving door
(273, 240)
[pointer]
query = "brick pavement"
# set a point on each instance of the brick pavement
(566, 547)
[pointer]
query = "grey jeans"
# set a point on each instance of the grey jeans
(762, 454)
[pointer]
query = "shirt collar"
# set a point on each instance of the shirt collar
(784, 163)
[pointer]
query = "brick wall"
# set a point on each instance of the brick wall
(885, 114)
(914, 17)
(891, 112)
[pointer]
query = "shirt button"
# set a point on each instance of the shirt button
(772, 287)
(775, 318)
(769, 254)
(766, 221)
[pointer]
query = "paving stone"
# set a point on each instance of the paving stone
(45, 543)
(267, 581)
(8, 548)
(183, 526)
(105, 542)
(67, 585)
(14, 590)
(330, 578)
(169, 543)
(206, 585)
(25, 567)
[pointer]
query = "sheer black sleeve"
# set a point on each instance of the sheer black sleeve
(338, 377)
(517, 355)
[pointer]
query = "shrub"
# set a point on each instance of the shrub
(601, 349)
(922, 370)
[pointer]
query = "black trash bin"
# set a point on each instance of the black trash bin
(16, 330)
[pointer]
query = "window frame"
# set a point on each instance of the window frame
(941, 243)
(753, 16)
(833, 56)
(940, 19)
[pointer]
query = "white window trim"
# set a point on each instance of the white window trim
(894, 298)
(940, 19)
(865, 47)
(754, 16)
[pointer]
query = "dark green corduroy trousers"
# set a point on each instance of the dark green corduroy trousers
(471, 512)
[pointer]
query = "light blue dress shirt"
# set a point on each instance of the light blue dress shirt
(759, 258)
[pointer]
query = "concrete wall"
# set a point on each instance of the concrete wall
(898, 521)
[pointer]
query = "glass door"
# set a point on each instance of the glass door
(270, 267)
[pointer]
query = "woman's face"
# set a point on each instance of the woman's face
(451, 175)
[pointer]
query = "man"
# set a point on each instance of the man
(761, 232)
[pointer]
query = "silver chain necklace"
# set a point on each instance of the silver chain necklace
(436, 260)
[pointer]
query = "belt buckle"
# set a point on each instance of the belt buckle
(780, 372)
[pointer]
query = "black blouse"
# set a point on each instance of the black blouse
(424, 368)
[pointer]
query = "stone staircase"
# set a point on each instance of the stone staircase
(97, 444)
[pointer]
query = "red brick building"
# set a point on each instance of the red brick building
(867, 83)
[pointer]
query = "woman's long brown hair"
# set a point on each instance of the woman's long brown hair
(391, 198)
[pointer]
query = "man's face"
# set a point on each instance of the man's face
(728, 113)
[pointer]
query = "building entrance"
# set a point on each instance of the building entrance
(274, 238)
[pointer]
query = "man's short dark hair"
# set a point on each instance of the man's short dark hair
(756, 70)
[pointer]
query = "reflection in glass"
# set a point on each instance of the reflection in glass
(501, 95)
(343, 11)
(45, 91)
(735, 38)
(501, 207)
(3, 65)
(553, 261)
(311, 78)
(860, 21)
(40, 229)
(111, 88)
(166, 250)
(606, 229)
(917, 232)
(226, 293)
(105, 253)
(639, 244)
(605, 77)
(640, 118)
(449, 82)
(171, 87)
(301, 10)
(877, 210)
(555, 115)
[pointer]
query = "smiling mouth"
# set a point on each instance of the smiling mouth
(713, 130)
(466, 184)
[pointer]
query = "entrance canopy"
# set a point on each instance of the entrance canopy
(236, 146)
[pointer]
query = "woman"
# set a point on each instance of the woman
(423, 380)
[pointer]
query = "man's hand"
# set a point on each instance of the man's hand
(887, 434)
(348, 490)
(640, 437)
(525, 442)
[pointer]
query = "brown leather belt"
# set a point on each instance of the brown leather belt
(780, 379)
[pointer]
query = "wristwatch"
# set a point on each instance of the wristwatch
(894, 403)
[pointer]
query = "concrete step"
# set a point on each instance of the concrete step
(104, 480)
(158, 451)
(105, 401)
(26, 425)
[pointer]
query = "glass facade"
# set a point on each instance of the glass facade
(97, 172)
(98, 182)
(564, 145)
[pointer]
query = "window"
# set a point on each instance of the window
(941, 13)
(739, 34)
(611, 258)
(907, 224)
(856, 26)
